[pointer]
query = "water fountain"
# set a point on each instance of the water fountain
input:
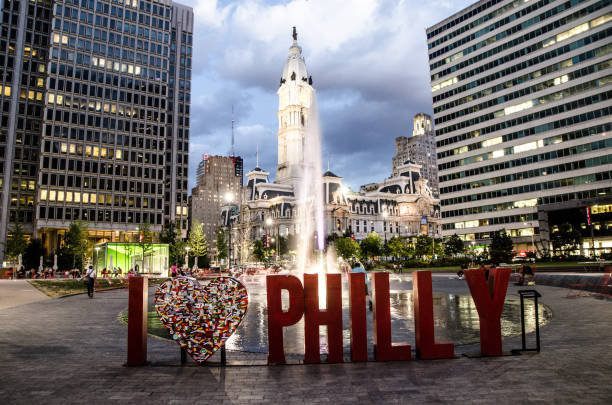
(309, 193)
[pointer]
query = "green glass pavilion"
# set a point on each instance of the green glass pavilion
(126, 256)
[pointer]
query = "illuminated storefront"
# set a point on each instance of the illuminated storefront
(126, 256)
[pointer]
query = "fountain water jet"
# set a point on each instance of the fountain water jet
(310, 193)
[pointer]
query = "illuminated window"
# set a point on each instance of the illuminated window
(43, 195)
(6, 91)
(518, 107)
(528, 146)
(497, 153)
(444, 84)
(492, 141)
(560, 80)
(526, 203)
(601, 20)
(52, 194)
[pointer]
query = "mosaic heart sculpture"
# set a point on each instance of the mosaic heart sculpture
(201, 318)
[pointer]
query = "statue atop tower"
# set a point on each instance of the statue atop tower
(295, 96)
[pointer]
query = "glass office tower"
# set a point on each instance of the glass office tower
(107, 107)
(521, 96)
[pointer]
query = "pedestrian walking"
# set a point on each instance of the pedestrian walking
(90, 279)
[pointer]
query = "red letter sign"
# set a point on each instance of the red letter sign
(422, 298)
(489, 305)
(277, 318)
(359, 334)
(383, 348)
(315, 317)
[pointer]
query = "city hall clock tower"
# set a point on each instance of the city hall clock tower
(295, 96)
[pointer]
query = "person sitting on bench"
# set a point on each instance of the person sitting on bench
(525, 274)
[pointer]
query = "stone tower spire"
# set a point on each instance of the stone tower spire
(294, 99)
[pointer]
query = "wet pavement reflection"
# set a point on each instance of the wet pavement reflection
(455, 319)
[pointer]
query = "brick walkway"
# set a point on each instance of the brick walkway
(71, 350)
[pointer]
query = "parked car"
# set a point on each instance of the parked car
(522, 259)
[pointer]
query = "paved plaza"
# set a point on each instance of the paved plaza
(72, 350)
(14, 293)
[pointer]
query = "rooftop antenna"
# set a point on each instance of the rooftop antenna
(233, 121)
(328, 162)
(257, 156)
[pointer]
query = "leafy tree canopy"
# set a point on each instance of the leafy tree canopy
(501, 247)
(15, 243)
(259, 251)
(371, 246)
(346, 248)
(565, 239)
(197, 241)
(453, 246)
(221, 244)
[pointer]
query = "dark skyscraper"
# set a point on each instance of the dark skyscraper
(101, 124)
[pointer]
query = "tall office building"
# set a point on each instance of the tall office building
(419, 148)
(96, 98)
(521, 96)
(217, 176)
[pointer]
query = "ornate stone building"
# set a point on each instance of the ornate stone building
(402, 204)
(421, 149)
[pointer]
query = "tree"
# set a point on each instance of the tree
(15, 243)
(33, 251)
(396, 247)
(259, 251)
(423, 246)
(501, 247)
(65, 259)
(176, 246)
(145, 240)
(221, 244)
(197, 242)
(453, 246)
(566, 239)
(77, 243)
(346, 248)
(371, 246)
(283, 245)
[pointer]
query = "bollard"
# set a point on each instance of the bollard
(137, 321)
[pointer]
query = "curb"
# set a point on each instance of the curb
(85, 292)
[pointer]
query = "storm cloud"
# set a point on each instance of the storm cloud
(369, 64)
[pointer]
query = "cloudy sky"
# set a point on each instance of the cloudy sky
(368, 60)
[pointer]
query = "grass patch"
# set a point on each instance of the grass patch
(154, 325)
(58, 288)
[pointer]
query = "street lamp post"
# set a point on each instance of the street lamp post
(229, 198)
(186, 265)
(473, 253)
(268, 227)
(97, 249)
